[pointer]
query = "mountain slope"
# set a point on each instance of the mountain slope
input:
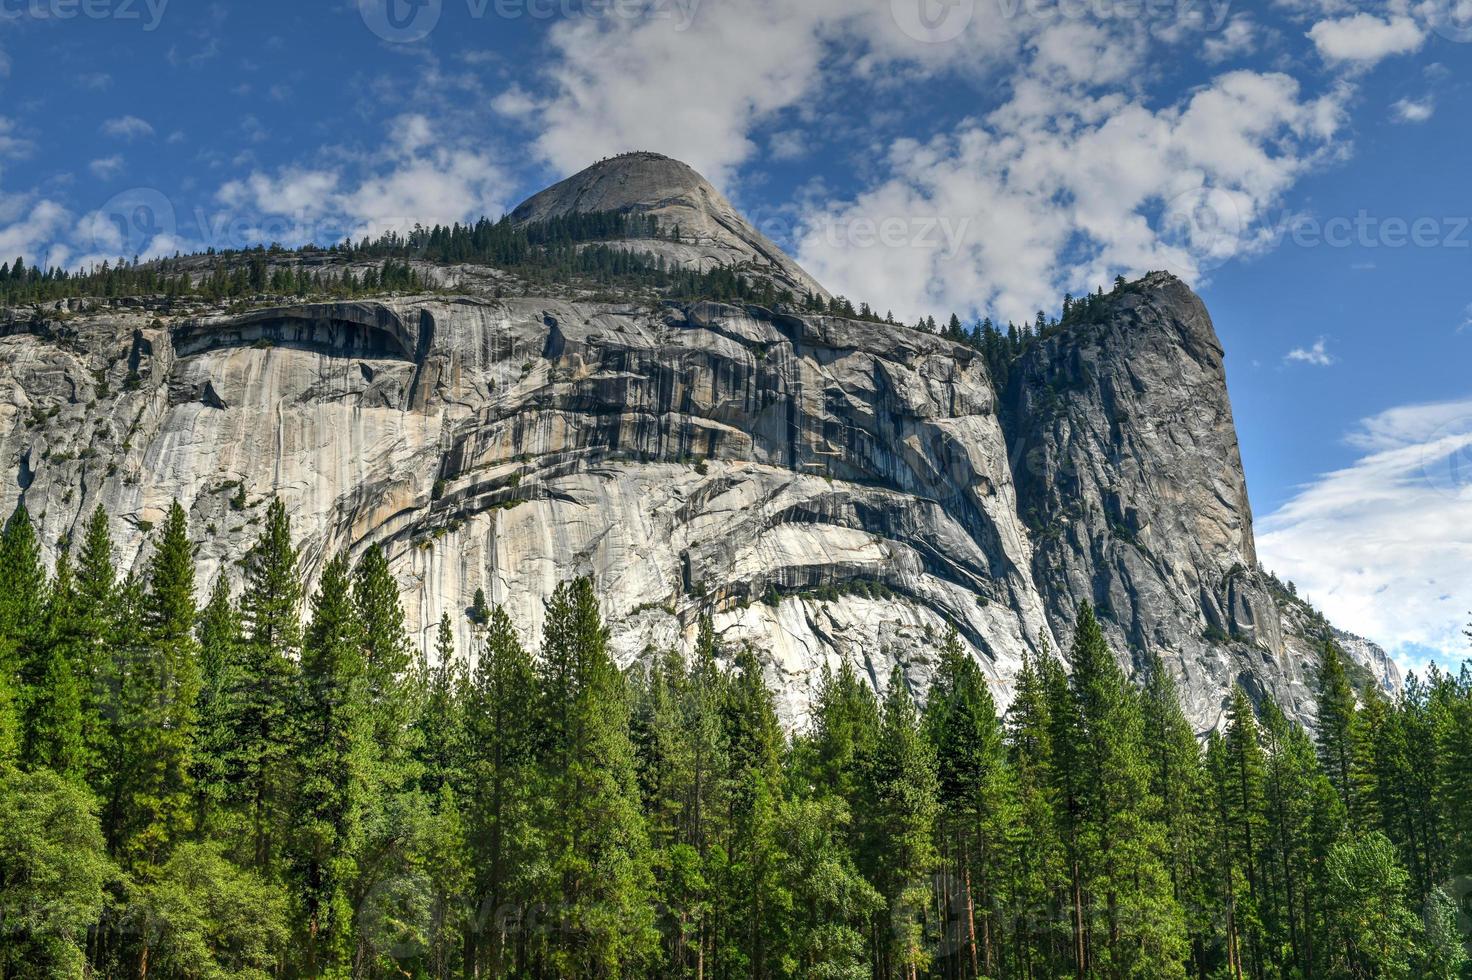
(710, 231)
(822, 487)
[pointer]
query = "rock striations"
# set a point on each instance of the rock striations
(823, 487)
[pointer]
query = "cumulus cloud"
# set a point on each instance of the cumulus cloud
(420, 179)
(31, 227)
(1413, 110)
(695, 83)
(1383, 545)
(1364, 39)
(1076, 177)
(127, 128)
(1317, 355)
(1055, 191)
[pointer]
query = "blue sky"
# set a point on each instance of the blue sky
(1302, 162)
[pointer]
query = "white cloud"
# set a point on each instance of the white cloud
(1318, 355)
(1467, 322)
(12, 146)
(1237, 39)
(419, 179)
(1413, 110)
(1364, 39)
(1078, 176)
(696, 83)
(292, 191)
(1060, 192)
(127, 127)
(1384, 546)
(32, 228)
(106, 168)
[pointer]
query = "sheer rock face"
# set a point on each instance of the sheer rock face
(826, 488)
(712, 232)
(690, 459)
(1130, 480)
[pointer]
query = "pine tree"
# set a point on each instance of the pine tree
(753, 741)
(1336, 731)
(331, 786)
(1291, 785)
(22, 612)
(666, 775)
(1228, 881)
(54, 728)
(392, 708)
(500, 793)
(259, 693)
(440, 680)
(1134, 923)
(221, 647)
(1451, 711)
(845, 732)
(160, 692)
(387, 659)
(597, 851)
(1245, 811)
(94, 613)
(977, 797)
(902, 788)
(1040, 872)
(1177, 781)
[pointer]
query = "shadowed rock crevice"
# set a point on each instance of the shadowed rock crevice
(364, 330)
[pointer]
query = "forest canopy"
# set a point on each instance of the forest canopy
(271, 784)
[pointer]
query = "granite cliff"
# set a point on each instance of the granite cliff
(823, 487)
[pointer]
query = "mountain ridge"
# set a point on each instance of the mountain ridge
(824, 487)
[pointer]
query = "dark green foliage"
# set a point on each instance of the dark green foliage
(1336, 737)
(1133, 923)
(53, 733)
(901, 826)
(595, 845)
(23, 664)
(336, 802)
(160, 688)
(499, 769)
(332, 717)
(258, 687)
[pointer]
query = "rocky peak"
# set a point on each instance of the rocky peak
(711, 231)
(824, 488)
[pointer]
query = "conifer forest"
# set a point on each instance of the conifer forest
(275, 784)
